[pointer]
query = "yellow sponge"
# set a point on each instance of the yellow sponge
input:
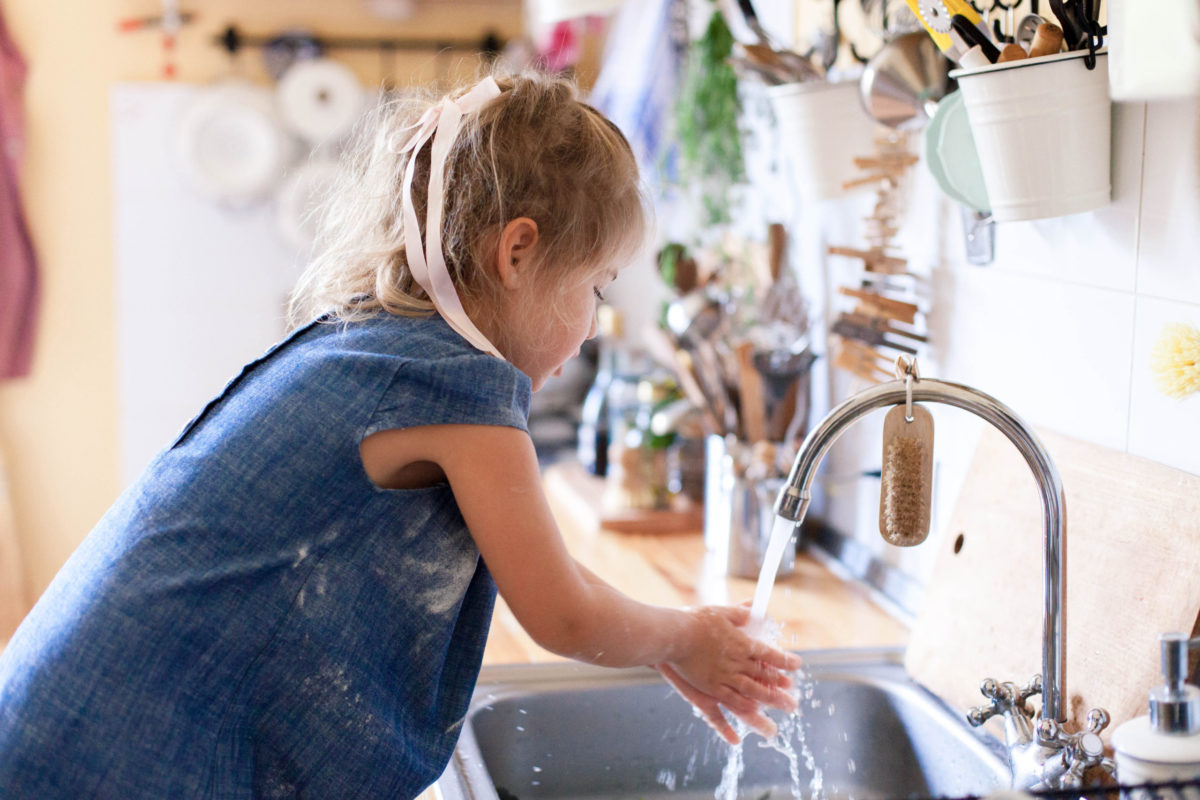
(1175, 360)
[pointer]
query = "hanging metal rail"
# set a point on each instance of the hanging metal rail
(490, 44)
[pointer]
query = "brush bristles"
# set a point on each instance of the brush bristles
(1175, 360)
(905, 496)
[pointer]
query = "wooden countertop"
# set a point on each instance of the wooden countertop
(817, 608)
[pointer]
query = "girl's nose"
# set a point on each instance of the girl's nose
(594, 327)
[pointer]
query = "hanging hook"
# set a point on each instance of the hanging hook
(1095, 31)
(831, 57)
(1009, 12)
(906, 370)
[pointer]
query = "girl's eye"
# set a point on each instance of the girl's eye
(598, 293)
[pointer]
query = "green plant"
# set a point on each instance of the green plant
(706, 122)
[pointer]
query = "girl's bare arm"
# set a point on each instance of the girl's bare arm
(567, 609)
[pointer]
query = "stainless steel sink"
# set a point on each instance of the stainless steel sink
(571, 731)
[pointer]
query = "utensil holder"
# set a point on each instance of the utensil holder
(822, 127)
(739, 511)
(1043, 131)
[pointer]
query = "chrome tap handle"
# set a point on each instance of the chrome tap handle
(1005, 699)
(1027, 691)
(1082, 750)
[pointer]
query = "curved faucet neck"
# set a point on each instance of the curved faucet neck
(794, 498)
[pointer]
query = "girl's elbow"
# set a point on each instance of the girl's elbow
(566, 635)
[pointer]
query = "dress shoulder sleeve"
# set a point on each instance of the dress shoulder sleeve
(469, 388)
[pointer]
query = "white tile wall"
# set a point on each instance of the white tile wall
(1095, 248)
(1060, 326)
(1169, 249)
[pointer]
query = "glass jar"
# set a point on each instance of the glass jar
(639, 469)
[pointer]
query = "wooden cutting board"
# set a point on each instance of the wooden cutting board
(1133, 572)
(579, 493)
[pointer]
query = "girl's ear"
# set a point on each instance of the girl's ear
(515, 251)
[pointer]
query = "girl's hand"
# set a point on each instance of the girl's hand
(710, 711)
(726, 667)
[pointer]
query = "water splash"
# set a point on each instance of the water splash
(727, 789)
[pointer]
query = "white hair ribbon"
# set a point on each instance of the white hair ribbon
(428, 264)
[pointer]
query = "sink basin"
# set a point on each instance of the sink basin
(865, 730)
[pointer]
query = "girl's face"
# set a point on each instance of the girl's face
(546, 324)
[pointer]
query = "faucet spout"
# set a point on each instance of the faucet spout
(793, 500)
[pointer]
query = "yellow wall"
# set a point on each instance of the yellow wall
(58, 435)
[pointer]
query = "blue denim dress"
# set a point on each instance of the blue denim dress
(254, 617)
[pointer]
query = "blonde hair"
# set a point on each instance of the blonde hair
(536, 151)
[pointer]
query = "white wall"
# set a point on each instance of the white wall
(201, 289)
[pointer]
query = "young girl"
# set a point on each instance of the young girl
(293, 599)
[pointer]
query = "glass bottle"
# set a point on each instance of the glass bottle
(596, 417)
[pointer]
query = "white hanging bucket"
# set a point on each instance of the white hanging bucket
(822, 129)
(1043, 130)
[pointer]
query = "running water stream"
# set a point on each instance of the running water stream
(791, 727)
(781, 536)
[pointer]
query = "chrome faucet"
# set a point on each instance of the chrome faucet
(1041, 755)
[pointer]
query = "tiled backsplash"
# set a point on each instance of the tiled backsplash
(1059, 327)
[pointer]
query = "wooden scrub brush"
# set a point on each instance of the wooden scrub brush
(906, 488)
(1175, 360)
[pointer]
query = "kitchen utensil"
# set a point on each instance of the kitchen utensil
(777, 63)
(936, 16)
(866, 363)
(750, 394)
(974, 58)
(974, 36)
(1027, 29)
(786, 66)
(1011, 52)
(784, 309)
(906, 477)
(801, 67)
(875, 260)
(1047, 40)
(230, 144)
(320, 100)
(711, 377)
(785, 375)
(668, 354)
(902, 83)
(882, 325)
(869, 336)
(951, 156)
(747, 66)
(1074, 26)
(695, 315)
(898, 310)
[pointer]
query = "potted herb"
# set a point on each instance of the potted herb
(706, 123)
